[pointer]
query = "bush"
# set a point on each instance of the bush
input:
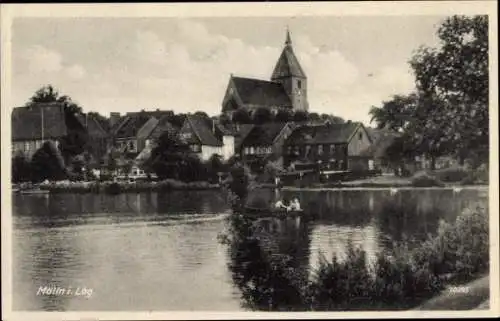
(424, 179)
(452, 175)
(478, 176)
(403, 278)
(460, 249)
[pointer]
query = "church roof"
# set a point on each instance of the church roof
(261, 92)
(288, 64)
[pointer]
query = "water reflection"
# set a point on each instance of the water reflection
(269, 262)
(60, 210)
(145, 251)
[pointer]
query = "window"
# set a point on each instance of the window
(289, 150)
(308, 150)
(196, 148)
(252, 150)
(26, 146)
(186, 135)
(245, 150)
(131, 146)
(360, 136)
(299, 84)
(320, 149)
(332, 149)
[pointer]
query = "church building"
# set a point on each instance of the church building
(287, 88)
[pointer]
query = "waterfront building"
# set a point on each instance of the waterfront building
(333, 147)
(38, 123)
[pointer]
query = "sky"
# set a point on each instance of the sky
(184, 64)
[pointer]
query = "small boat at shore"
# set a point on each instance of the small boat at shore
(270, 212)
(36, 191)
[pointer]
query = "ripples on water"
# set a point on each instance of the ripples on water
(151, 251)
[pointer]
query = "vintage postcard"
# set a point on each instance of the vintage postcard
(249, 160)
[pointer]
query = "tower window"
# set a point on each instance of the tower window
(299, 84)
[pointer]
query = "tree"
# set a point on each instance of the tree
(313, 117)
(216, 164)
(283, 116)
(395, 114)
(169, 157)
(202, 114)
(300, 116)
(47, 94)
(47, 164)
(262, 115)
(241, 116)
(332, 119)
(455, 78)
(21, 169)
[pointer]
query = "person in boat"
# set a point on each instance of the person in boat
(281, 204)
(295, 205)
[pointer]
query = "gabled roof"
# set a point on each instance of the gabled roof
(202, 131)
(327, 134)
(131, 125)
(261, 92)
(27, 122)
(93, 126)
(288, 64)
(381, 139)
(263, 135)
(162, 126)
(147, 128)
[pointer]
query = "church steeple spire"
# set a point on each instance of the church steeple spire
(289, 73)
(288, 41)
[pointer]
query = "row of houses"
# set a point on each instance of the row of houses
(131, 137)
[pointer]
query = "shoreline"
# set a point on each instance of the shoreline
(109, 187)
(385, 187)
(103, 187)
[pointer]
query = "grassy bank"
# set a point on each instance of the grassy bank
(450, 177)
(124, 187)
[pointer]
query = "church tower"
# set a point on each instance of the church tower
(289, 73)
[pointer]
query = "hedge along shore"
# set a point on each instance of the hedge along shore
(123, 187)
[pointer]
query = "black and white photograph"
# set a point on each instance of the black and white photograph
(242, 159)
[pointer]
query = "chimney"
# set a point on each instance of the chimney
(113, 118)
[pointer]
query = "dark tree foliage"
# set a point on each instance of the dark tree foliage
(283, 116)
(241, 116)
(262, 115)
(448, 114)
(172, 158)
(21, 169)
(47, 164)
(454, 79)
(300, 116)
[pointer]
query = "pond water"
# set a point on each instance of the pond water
(162, 251)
